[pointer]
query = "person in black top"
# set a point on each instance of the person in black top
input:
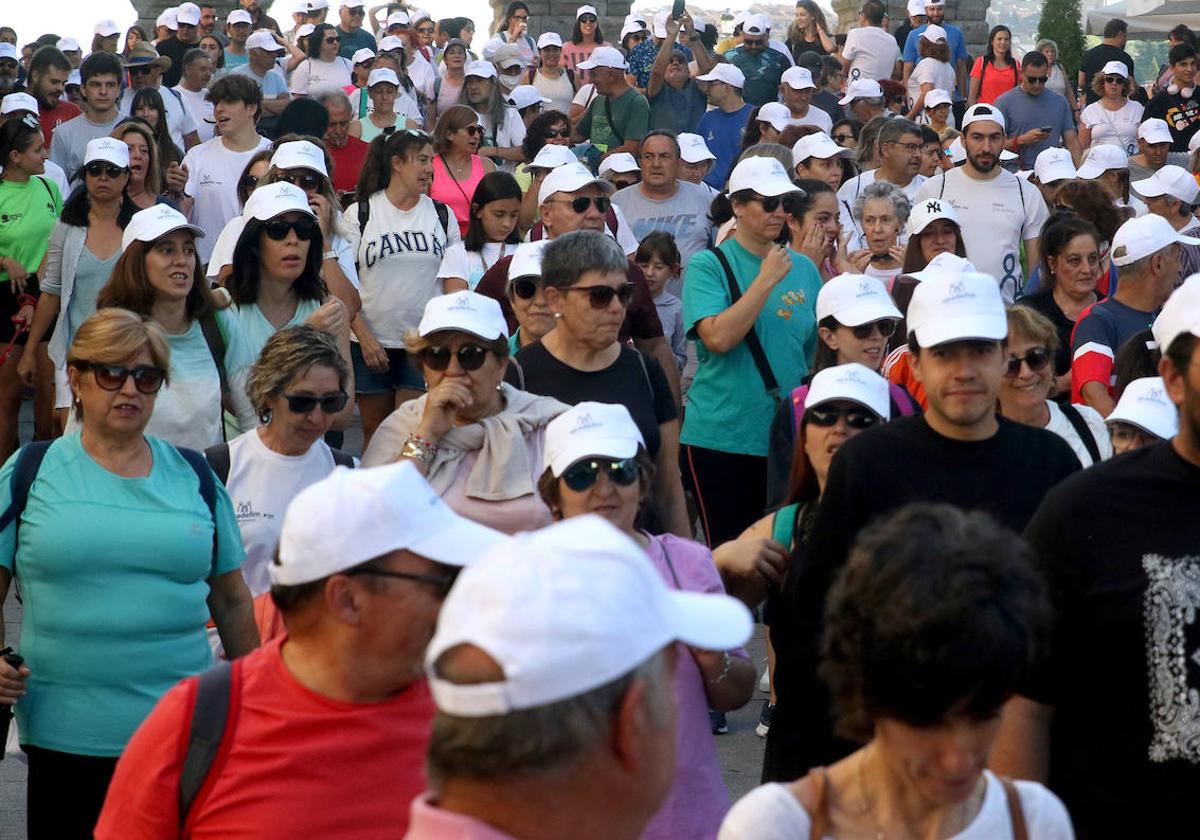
(1112, 48)
(1110, 720)
(914, 18)
(959, 452)
(1179, 102)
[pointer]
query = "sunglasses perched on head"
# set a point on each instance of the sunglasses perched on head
(583, 474)
(857, 417)
(1037, 359)
(304, 403)
(470, 357)
(886, 327)
(307, 181)
(98, 167)
(278, 229)
(581, 203)
(146, 378)
(601, 296)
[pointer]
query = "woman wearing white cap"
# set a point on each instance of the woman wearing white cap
(818, 157)
(596, 463)
(503, 129)
(527, 297)
(1114, 117)
(477, 439)
(447, 85)
(1144, 415)
(382, 87)
(324, 70)
(585, 37)
(934, 70)
(553, 81)
(933, 229)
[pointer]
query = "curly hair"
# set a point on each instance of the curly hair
(1091, 202)
(889, 192)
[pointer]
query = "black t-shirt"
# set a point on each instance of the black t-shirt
(175, 50)
(1119, 545)
(873, 474)
(1182, 115)
(1095, 59)
(634, 380)
(1045, 303)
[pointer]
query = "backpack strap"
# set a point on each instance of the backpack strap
(443, 214)
(364, 214)
(208, 487)
(752, 341)
(25, 471)
(902, 401)
(218, 458)
(1015, 812)
(210, 714)
(645, 373)
(216, 348)
(1081, 428)
(342, 459)
(612, 125)
(520, 371)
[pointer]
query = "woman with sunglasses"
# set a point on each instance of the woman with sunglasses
(457, 167)
(477, 439)
(162, 556)
(491, 235)
(1114, 117)
(585, 37)
(549, 128)
(845, 133)
(324, 70)
(383, 86)
(1028, 385)
(527, 297)
(596, 463)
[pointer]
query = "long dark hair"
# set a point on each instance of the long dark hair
(17, 136)
(316, 38)
(168, 152)
(79, 204)
(577, 33)
(244, 282)
(495, 186)
(989, 55)
(376, 170)
(535, 135)
(914, 260)
(129, 288)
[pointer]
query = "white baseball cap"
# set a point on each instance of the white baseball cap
(660, 24)
(169, 19)
(68, 45)
(364, 54)
(944, 265)
(603, 57)
(934, 34)
(765, 176)
(350, 4)
(549, 39)
(466, 312)
(507, 56)
(352, 516)
(756, 25)
(397, 19)
(778, 115)
(1116, 68)
(391, 43)
(523, 96)
(726, 73)
(1145, 235)
(797, 78)
(16, 102)
(854, 382)
(188, 14)
(854, 300)
(565, 610)
(861, 89)
(637, 20)
(272, 200)
(527, 261)
(1144, 403)
(1100, 159)
(299, 154)
(155, 222)
(569, 178)
(937, 97)
(1171, 180)
(1180, 314)
(693, 149)
(916, 8)
(239, 16)
(306, 29)
(107, 28)
(482, 69)
(957, 307)
(315, 5)
(585, 10)
(1155, 131)
(382, 75)
(926, 211)
(552, 156)
(929, 3)
(981, 112)
(958, 153)
(590, 429)
(1055, 164)
(817, 146)
(619, 163)
(7, 50)
(263, 40)
(74, 78)
(739, 19)
(107, 149)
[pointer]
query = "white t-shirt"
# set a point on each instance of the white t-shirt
(399, 256)
(1116, 128)
(996, 216)
(213, 173)
(771, 812)
(179, 120)
(511, 132)
(558, 91)
(312, 77)
(470, 266)
(261, 485)
(816, 118)
(199, 109)
(422, 75)
(848, 193)
(930, 71)
(872, 53)
(1061, 426)
(187, 411)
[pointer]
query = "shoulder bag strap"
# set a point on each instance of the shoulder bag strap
(1083, 430)
(218, 459)
(1015, 812)
(342, 459)
(208, 488)
(645, 375)
(612, 126)
(752, 342)
(209, 716)
(216, 348)
(23, 475)
(820, 814)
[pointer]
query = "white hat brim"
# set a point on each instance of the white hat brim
(708, 621)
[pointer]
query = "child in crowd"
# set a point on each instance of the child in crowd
(658, 256)
(937, 112)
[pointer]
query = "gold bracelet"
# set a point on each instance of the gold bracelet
(417, 448)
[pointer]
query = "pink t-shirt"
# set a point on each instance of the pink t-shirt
(573, 53)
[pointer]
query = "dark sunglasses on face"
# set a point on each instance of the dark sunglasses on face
(1037, 80)
(588, 19)
(98, 167)
(470, 357)
(583, 474)
(249, 182)
(141, 71)
(770, 203)
(277, 229)
(1037, 359)
(357, 11)
(885, 327)
(425, 30)
(753, 42)
(843, 138)
(1114, 80)
(307, 181)
(583, 202)
(146, 378)
(473, 130)
(303, 403)
(601, 296)
(856, 417)
(331, 40)
(558, 132)
(524, 288)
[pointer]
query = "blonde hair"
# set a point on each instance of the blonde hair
(290, 353)
(111, 336)
(1025, 322)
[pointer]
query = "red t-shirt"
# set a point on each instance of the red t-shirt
(994, 81)
(347, 163)
(294, 764)
(52, 118)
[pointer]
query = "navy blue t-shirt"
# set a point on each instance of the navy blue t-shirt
(723, 134)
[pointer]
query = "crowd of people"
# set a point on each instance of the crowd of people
(650, 333)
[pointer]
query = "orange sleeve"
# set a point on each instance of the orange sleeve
(897, 371)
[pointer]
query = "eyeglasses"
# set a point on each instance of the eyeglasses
(911, 148)
(588, 19)
(470, 357)
(583, 474)
(856, 417)
(1037, 359)
(520, 17)
(331, 40)
(473, 130)
(844, 138)
(142, 71)
(622, 183)
(98, 167)
(524, 288)
(277, 229)
(1114, 80)
(886, 327)
(425, 30)
(1037, 80)
(303, 403)
(306, 181)
(601, 296)
(441, 583)
(558, 132)
(146, 378)
(583, 202)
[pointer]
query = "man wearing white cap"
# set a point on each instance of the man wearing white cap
(1154, 148)
(354, 36)
(762, 66)
(870, 51)
(532, 642)
(998, 211)
(619, 116)
(164, 26)
(1172, 193)
(959, 451)
(1144, 415)
(695, 159)
(676, 101)
(863, 100)
(1117, 547)
(724, 124)
(1036, 118)
(796, 89)
(262, 51)
(914, 17)
(185, 37)
(71, 49)
(48, 73)
(238, 26)
(935, 13)
(1146, 252)
(337, 706)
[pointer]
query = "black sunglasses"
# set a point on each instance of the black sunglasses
(146, 378)
(303, 403)
(843, 138)
(558, 132)
(1037, 80)
(581, 204)
(141, 71)
(753, 42)
(524, 288)
(886, 327)
(1037, 359)
(306, 181)
(249, 182)
(331, 40)
(277, 229)
(470, 357)
(473, 130)
(583, 474)
(770, 203)
(1114, 80)
(98, 167)
(601, 296)
(856, 417)
(588, 19)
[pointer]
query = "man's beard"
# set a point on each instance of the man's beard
(8, 82)
(983, 168)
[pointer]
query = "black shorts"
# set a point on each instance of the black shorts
(9, 308)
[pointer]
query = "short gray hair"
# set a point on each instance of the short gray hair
(885, 190)
(896, 128)
(568, 257)
(1046, 42)
(337, 96)
(289, 353)
(543, 740)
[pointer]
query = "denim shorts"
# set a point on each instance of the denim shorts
(402, 373)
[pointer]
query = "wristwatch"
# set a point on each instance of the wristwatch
(329, 255)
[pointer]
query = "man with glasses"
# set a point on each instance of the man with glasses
(900, 145)
(365, 561)
(762, 66)
(146, 69)
(208, 22)
(1172, 193)
(354, 36)
(348, 153)
(186, 37)
(1179, 103)
(100, 85)
(1038, 119)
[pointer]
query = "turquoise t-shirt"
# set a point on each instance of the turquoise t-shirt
(729, 409)
(114, 575)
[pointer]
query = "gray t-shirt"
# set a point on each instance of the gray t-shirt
(683, 215)
(1023, 112)
(69, 143)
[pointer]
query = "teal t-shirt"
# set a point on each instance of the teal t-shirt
(729, 408)
(114, 576)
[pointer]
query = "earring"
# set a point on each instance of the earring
(264, 416)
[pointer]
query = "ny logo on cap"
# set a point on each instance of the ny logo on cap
(1154, 395)
(933, 206)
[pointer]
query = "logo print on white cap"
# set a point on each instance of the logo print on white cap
(462, 303)
(1154, 395)
(584, 422)
(851, 376)
(865, 290)
(958, 291)
(933, 206)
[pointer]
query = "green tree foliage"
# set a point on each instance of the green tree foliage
(1062, 22)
